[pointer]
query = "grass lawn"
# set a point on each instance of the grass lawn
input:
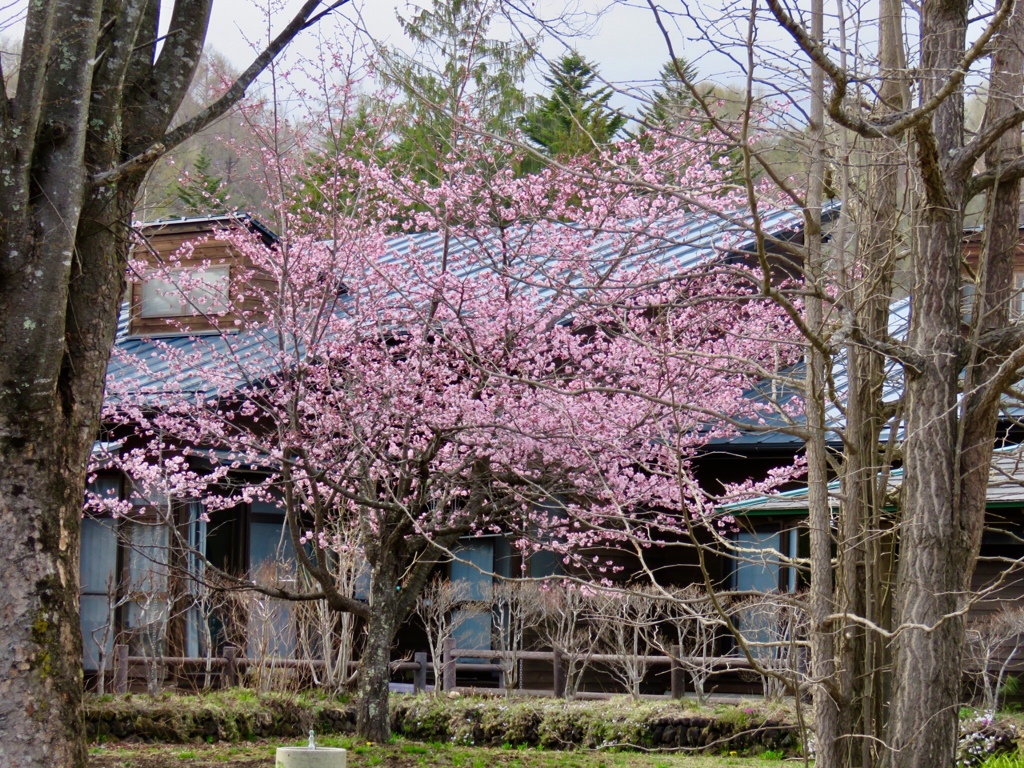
(403, 754)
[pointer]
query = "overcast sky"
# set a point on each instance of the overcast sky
(625, 41)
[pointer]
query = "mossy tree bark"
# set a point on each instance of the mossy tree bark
(90, 113)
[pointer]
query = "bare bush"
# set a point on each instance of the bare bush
(993, 644)
(569, 630)
(329, 636)
(631, 622)
(103, 636)
(696, 627)
(773, 628)
(518, 611)
(270, 630)
(440, 606)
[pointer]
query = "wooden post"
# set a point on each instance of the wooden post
(676, 673)
(448, 665)
(120, 668)
(419, 682)
(558, 669)
(230, 679)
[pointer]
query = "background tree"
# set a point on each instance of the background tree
(76, 139)
(574, 118)
(671, 103)
(200, 191)
(227, 146)
(458, 79)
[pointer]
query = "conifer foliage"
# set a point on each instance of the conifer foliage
(574, 118)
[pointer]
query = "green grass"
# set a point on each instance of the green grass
(1005, 761)
(409, 754)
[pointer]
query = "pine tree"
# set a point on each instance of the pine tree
(458, 71)
(574, 118)
(672, 102)
(202, 192)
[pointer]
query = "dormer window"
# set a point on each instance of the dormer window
(209, 282)
(204, 292)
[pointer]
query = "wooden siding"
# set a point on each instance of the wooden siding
(163, 241)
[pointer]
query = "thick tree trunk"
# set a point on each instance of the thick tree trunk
(46, 436)
(934, 554)
(373, 718)
(40, 641)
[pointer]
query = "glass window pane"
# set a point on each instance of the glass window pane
(756, 571)
(160, 298)
(97, 631)
(205, 292)
(98, 564)
(268, 543)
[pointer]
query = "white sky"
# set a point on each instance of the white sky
(625, 42)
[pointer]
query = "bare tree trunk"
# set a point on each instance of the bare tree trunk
(827, 712)
(935, 557)
(865, 564)
(40, 653)
(373, 719)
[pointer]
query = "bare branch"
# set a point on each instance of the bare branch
(892, 125)
(1011, 171)
(233, 95)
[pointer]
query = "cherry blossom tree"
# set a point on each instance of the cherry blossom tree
(876, 101)
(479, 372)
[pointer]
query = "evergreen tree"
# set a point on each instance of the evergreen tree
(202, 192)
(574, 118)
(673, 108)
(458, 73)
(672, 102)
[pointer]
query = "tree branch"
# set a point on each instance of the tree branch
(131, 166)
(980, 144)
(1003, 341)
(1007, 172)
(231, 97)
(237, 90)
(887, 347)
(893, 125)
(1007, 373)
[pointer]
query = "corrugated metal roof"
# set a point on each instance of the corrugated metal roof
(681, 245)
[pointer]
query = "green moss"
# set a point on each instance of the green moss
(41, 637)
(239, 715)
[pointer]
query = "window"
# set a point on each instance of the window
(98, 579)
(765, 622)
(271, 628)
(99, 589)
(205, 292)
(1017, 298)
(474, 566)
(146, 575)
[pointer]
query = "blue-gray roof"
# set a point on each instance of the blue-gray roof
(683, 245)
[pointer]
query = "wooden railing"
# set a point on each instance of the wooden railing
(231, 666)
